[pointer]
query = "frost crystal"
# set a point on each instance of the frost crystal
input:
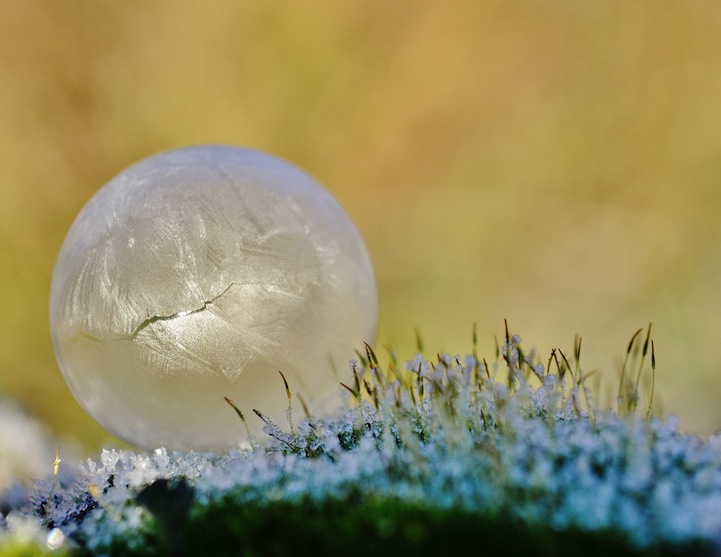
(498, 442)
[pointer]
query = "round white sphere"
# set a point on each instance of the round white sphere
(198, 274)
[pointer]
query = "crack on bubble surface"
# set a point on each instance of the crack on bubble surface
(158, 318)
(155, 318)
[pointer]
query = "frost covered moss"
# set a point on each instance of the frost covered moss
(447, 455)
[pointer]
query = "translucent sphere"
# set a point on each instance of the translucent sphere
(198, 274)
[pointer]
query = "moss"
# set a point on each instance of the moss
(445, 456)
(26, 548)
(368, 525)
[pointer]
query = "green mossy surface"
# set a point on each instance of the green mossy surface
(443, 457)
(366, 525)
(21, 548)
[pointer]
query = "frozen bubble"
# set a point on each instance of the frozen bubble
(55, 539)
(199, 273)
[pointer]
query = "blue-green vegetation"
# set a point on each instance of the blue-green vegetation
(441, 455)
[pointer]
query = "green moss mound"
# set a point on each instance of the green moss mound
(437, 457)
(364, 525)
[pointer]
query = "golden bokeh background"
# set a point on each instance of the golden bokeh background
(555, 163)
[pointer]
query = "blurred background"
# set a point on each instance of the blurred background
(555, 163)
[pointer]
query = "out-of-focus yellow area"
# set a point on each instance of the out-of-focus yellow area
(556, 163)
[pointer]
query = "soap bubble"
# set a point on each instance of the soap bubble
(198, 274)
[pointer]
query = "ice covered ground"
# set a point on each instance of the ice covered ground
(513, 442)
